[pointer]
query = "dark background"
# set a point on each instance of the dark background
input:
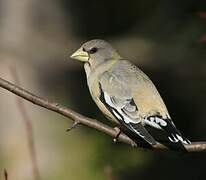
(165, 38)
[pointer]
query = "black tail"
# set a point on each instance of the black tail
(164, 131)
(170, 136)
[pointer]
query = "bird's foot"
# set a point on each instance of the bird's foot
(118, 132)
(72, 126)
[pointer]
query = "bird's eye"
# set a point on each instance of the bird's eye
(93, 50)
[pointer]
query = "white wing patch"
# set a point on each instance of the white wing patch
(156, 122)
(161, 121)
(168, 126)
(123, 116)
(117, 115)
(176, 138)
(152, 123)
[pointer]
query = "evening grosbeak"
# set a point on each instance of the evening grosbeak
(127, 96)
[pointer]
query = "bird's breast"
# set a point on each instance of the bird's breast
(95, 92)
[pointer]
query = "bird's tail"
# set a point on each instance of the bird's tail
(177, 141)
(170, 137)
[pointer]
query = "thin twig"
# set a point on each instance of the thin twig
(74, 125)
(92, 123)
(28, 127)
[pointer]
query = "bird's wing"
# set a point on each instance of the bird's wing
(130, 94)
(118, 100)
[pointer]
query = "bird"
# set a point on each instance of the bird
(127, 96)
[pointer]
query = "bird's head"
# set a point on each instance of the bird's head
(95, 52)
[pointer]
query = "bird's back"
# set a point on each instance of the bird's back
(141, 88)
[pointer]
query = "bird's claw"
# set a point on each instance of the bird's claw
(118, 131)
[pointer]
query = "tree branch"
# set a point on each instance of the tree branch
(78, 118)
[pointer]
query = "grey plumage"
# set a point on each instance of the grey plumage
(125, 94)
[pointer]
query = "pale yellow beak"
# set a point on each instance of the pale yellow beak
(80, 55)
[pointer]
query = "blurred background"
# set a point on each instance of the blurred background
(167, 39)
